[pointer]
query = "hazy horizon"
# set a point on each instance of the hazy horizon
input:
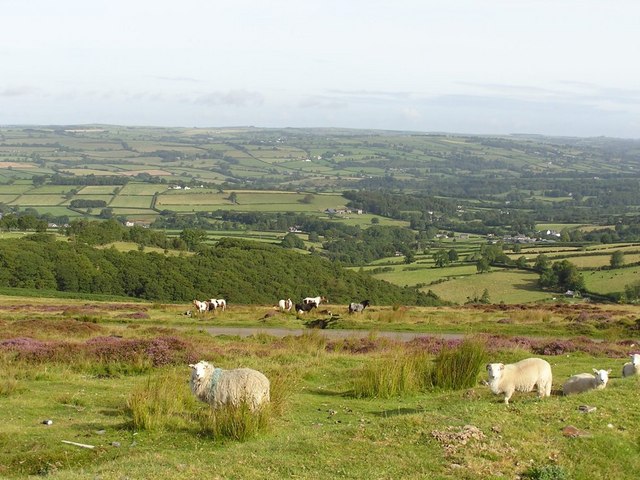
(498, 67)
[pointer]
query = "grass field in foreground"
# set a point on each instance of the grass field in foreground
(412, 436)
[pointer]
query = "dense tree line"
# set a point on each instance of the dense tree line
(241, 271)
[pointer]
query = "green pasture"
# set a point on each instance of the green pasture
(413, 274)
(98, 189)
(90, 171)
(52, 189)
(131, 201)
(57, 211)
(38, 200)
(508, 286)
(611, 281)
(133, 188)
(364, 220)
(8, 198)
(16, 188)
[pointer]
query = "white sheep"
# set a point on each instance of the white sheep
(633, 367)
(583, 382)
(521, 376)
(219, 387)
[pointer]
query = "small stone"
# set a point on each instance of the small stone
(100, 432)
(496, 429)
(586, 409)
(332, 412)
(47, 422)
(609, 425)
(573, 432)
(115, 444)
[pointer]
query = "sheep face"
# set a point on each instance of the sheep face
(602, 376)
(635, 359)
(199, 370)
(495, 371)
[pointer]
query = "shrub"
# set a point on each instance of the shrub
(457, 368)
(546, 472)
(393, 376)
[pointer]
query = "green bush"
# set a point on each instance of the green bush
(457, 368)
(546, 472)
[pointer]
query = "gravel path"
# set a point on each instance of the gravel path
(329, 333)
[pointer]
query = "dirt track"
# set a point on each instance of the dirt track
(329, 333)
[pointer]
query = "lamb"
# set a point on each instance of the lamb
(521, 376)
(583, 382)
(219, 387)
(633, 367)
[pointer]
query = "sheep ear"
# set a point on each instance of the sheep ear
(488, 365)
(191, 365)
(595, 370)
(502, 366)
(609, 371)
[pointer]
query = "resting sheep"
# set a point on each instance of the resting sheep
(633, 367)
(521, 376)
(358, 307)
(583, 382)
(219, 387)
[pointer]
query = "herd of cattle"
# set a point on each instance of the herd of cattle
(285, 305)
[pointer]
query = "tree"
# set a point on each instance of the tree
(542, 263)
(193, 237)
(441, 258)
(453, 255)
(521, 262)
(233, 197)
(308, 198)
(617, 259)
(291, 240)
(409, 257)
(482, 265)
(375, 221)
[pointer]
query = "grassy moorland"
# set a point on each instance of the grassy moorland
(113, 375)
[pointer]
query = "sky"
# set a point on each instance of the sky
(552, 67)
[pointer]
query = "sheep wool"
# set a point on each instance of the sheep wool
(521, 376)
(219, 387)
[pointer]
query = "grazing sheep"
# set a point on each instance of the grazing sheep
(583, 382)
(219, 387)
(285, 305)
(521, 376)
(358, 307)
(633, 367)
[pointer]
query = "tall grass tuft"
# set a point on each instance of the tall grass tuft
(458, 367)
(234, 422)
(161, 402)
(393, 376)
